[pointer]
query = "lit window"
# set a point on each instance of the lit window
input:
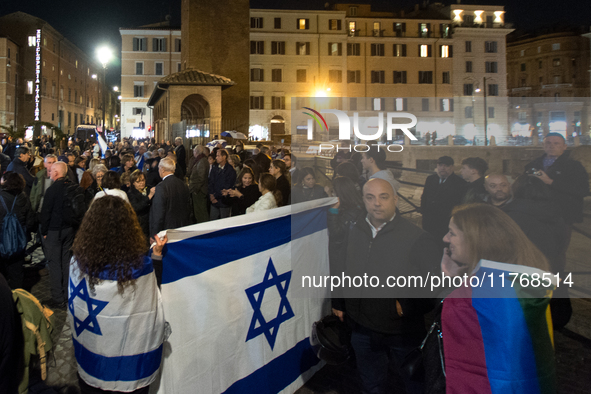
(445, 51)
(424, 51)
(32, 41)
(523, 52)
(29, 87)
(556, 47)
(303, 24)
(400, 104)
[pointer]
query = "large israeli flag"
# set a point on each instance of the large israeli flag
(229, 294)
(118, 337)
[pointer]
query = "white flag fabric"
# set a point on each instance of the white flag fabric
(229, 295)
(118, 337)
(102, 143)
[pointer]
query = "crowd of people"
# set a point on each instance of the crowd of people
(158, 186)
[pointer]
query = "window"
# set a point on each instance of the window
(557, 79)
(400, 104)
(522, 67)
(303, 24)
(138, 111)
(69, 118)
(276, 75)
(539, 49)
(158, 44)
(425, 76)
(75, 119)
(378, 77)
(69, 95)
(400, 29)
(445, 77)
(32, 41)
(468, 112)
(399, 76)
(29, 87)
(177, 44)
(446, 105)
(491, 112)
(53, 88)
(556, 47)
(523, 82)
(468, 46)
(277, 23)
(353, 49)
(334, 24)
(445, 30)
(335, 76)
(301, 75)
(489, 21)
(138, 91)
(556, 62)
(490, 47)
(257, 47)
(256, 23)
(468, 20)
(257, 75)
(158, 68)
(425, 104)
(139, 68)
(353, 76)
(522, 52)
(377, 29)
(277, 47)
(425, 50)
(493, 89)
(335, 49)
(424, 30)
(278, 102)
(399, 50)
(257, 102)
(178, 67)
(377, 50)
(378, 104)
(491, 67)
(446, 51)
(539, 64)
(541, 80)
(76, 96)
(302, 48)
(353, 11)
(468, 89)
(469, 66)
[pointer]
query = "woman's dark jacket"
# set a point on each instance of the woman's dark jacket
(141, 206)
(250, 195)
(285, 188)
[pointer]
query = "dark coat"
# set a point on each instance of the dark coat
(542, 223)
(437, 202)
(181, 158)
(285, 188)
(4, 163)
(475, 192)
(171, 205)
(19, 167)
(250, 195)
(570, 186)
(301, 194)
(141, 206)
(53, 217)
(220, 179)
(25, 214)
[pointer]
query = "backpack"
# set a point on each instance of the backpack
(74, 205)
(13, 238)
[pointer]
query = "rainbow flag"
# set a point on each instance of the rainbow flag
(498, 339)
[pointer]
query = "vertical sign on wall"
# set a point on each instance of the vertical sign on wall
(37, 72)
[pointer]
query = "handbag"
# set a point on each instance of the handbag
(413, 365)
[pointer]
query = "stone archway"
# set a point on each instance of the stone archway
(195, 113)
(277, 125)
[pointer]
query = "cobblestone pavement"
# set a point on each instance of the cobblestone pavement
(573, 352)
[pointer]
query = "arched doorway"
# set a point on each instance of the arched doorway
(195, 115)
(277, 126)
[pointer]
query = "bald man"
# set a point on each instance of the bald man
(385, 329)
(57, 227)
(498, 189)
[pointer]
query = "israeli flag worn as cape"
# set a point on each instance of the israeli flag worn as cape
(117, 336)
(228, 289)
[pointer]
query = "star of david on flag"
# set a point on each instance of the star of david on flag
(94, 306)
(256, 294)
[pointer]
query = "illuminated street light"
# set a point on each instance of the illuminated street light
(93, 76)
(116, 88)
(104, 55)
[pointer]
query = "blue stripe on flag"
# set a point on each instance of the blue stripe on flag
(122, 368)
(279, 373)
(195, 255)
(135, 274)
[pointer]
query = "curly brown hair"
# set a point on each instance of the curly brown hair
(102, 242)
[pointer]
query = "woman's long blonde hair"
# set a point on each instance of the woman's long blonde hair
(491, 234)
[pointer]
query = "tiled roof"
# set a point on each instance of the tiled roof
(195, 77)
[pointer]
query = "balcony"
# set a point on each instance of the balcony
(353, 33)
(557, 86)
(378, 33)
(521, 89)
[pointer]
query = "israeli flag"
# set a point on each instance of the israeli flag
(118, 337)
(229, 292)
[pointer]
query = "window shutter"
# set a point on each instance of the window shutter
(428, 30)
(330, 49)
(154, 45)
(420, 31)
(451, 51)
(429, 51)
(404, 77)
(349, 49)
(405, 104)
(338, 24)
(404, 50)
(144, 44)
(373, 49)
(382, 76)
(340, 48)
(307, 48)
(164, 45)
(451, 105)
(262, 75)
(307, 24)
(135, 44)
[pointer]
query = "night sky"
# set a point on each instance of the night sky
(91, 23)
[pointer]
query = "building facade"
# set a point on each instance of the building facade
(46, 77)
(148, 54)
(549, 82)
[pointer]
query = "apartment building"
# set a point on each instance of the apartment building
(431, 61)
(44, 77)
(148, 54)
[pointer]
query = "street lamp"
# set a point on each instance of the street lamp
(104, 55)
(115, 88)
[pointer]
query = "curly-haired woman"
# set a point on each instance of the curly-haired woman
(115, 309)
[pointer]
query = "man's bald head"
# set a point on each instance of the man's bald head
(498, 187)
(380, 200)
(59, 169)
